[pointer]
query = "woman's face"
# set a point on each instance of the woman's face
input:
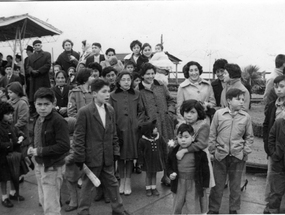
(194, 73)
(191, 117)
(60, 79)
(136, 50)
(147, 51)
(110, 54)
(149, 76)
(125, 82)
(67, 46)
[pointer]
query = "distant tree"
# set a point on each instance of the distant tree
(253, 79)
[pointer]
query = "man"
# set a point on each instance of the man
(9, 76)
(38, 67)
(2, 62)
(95, 56)
(29, 52)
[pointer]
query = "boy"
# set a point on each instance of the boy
(187, 174)
(109, 74)
(272, 113)
(96, 144)
(96, 69)
(49, 145)
(95, 56)
(277, 174)
(9, 76)
(230, 142)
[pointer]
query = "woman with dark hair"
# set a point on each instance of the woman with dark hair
(68, 57)
(146, 54)
(61, 91)
(194, 87)
(158, 105)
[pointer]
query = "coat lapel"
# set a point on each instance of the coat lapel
(37, 56)
(96, 114)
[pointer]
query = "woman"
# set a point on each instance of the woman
(194, 87)
(68, 57)
(146, 55)
(111, 60)
(193, 114)
(158, 105)
(61, 91)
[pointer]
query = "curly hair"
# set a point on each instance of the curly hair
(5, 108)
(190, 104)
(219, 64)
(107, 70)
(135, 42)
(145, 67)
(187, 67)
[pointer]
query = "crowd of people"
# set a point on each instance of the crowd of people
(118, 117)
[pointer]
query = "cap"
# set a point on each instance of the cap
(36, 42)
(30, 48)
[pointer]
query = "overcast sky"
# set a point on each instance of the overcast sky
(244, 32)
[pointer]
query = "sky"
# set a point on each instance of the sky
(243, 32)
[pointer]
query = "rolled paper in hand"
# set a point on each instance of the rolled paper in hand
(93, 178)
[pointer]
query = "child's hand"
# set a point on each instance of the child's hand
(20, 139)
(173, 176)
(180, 154)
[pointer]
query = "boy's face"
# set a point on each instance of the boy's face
(96, 50)
(191, 116)
(8, 71)
(236, 103)
(8, 117)
(279, 89)
(111, 77)
(136, 49)
(102, 96)
(12, 95)
(130, 68)
(226, 76)
(43, 106)
(184, 139)
(95, 73)
(158, 49)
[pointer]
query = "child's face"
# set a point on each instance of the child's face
(12, 95)
(102, 96)
(43, 106)
(8, 71)
(110, 54)
(16, 72)
(136, 82)
(96, 50)
(56, 70)
(149, 76)
(236, 103)
(136, 49)
(71, 72)
(191, 117)
(184, 139)
(147, 51)
(125, 82)
(158, 49)
(226, 76)
(95, 73)
(130, 68)
(60, 79)
(8, 117)
(111, 77)
(220, 74)
(279, 89)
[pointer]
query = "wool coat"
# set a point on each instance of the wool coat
(91, 59)
(61, 97)
(127, 110)
(158, 105)
(64, 61)
(94, 144)
(40, 61)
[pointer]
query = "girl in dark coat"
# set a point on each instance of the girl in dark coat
(152, 155)
(9, 142)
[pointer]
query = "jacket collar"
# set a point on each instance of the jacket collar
(156, 138)
(155, 82)
(233, 81)
(131, 90)
(187, 82)
(227, 110)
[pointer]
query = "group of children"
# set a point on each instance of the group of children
(116, 124)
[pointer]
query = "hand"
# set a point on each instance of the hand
(20, 139)
(30, 152)
(79, 164)
(72, 58)
(180, 154)
(63, 110)
(173, 176)
(69, 159)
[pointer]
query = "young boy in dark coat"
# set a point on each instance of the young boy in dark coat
(96, 144)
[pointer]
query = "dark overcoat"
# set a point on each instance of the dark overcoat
(64, 61)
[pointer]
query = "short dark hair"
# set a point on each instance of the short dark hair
(97, 44)
(233, 93)
(129, 62)
(119, 77)
(136, 75)
(233, 70)
(279, 60)
(18, 57)
(44, 93)
(161, 46)
(219, 64)
(135, 42)
(83, 75)
(107, 70)
(110, 50)
(5, 108)
(63, 72)
(187, 66)
(145, 67)
(65, 41)
(185, 128)
(96, 66)
(188, 105)
(146, 45)
(9, 57)
(147, 127)
(98, 84)
(278, 79)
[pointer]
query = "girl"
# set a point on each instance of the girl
(146, 55)
(152, 155)
(125, 101)
(61, 91)
(194, 114)
(9, 142)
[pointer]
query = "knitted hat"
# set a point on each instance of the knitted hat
(219, 64)
(16, 88)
